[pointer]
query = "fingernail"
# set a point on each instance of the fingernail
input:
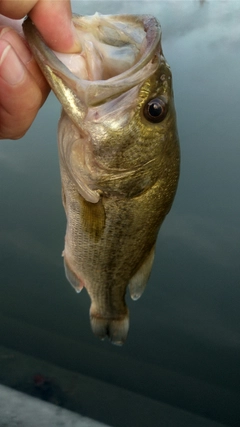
(20, 47)
(11, 68)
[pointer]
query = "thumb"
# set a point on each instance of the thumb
(54, 21)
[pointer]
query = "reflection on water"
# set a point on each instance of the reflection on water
(184, 340)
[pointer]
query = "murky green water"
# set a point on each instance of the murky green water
(184, 342)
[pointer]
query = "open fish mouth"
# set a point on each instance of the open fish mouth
(119, 157)
(117, 54)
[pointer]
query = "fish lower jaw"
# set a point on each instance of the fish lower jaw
(115, 328)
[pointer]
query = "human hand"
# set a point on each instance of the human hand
(23, 89)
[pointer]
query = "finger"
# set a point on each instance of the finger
(54, 21)
(52, 18)
(16, 9)
(21, 48)
(20, 96)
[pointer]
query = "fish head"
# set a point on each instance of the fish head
(116, 95)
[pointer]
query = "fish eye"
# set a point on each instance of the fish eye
(155, 110)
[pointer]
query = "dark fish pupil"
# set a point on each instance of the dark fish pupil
(155, 110)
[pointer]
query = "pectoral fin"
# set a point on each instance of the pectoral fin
(92, 218)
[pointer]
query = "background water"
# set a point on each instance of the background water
(183, 346)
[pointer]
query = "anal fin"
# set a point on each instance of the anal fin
(75, 281)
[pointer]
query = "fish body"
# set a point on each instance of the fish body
(119, 157)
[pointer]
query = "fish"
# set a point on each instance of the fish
(119, 157)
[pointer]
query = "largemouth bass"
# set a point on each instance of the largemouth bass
(119, 157)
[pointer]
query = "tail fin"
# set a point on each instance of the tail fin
(116, 329)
